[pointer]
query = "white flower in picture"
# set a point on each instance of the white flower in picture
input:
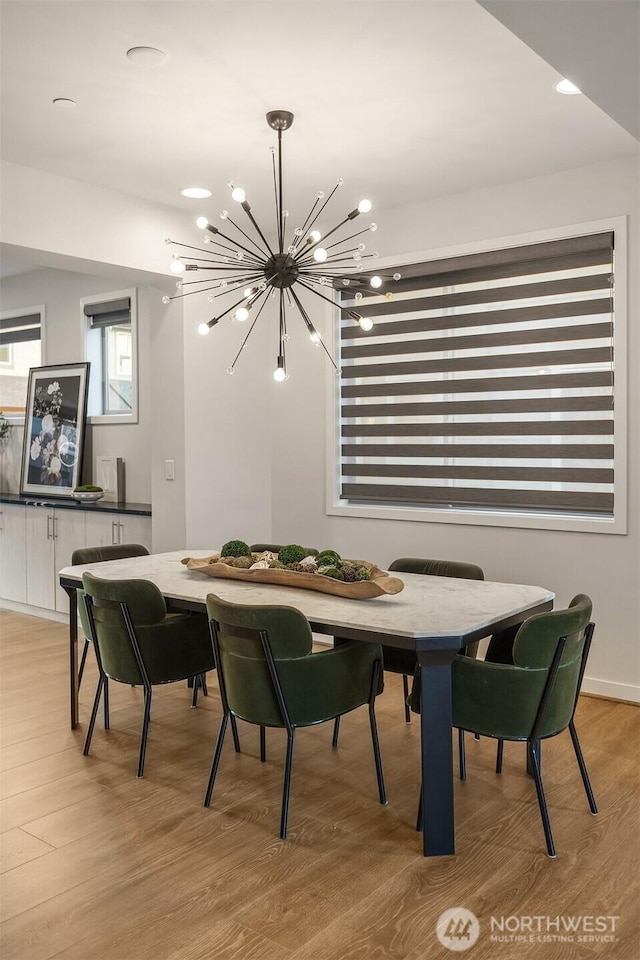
(48, 424)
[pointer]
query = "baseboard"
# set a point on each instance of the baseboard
(31, 611)
(609, 690)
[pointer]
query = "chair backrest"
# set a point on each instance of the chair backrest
(110, 551)
(277, 547)
(537, 645)
(146, 607)
(438, 568)
(245, 675)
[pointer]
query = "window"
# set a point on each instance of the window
(485, 388)
(20, 349)
(110, 346)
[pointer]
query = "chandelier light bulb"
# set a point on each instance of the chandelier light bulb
(177, 266)
(373, 227)
(361, 247)
(366, 324)
(242, 314)
(203, 329)
(315, 236)
(279, 374)
(375, 282)
(397, 276)
(248, 292)
(166, 299)
(315, 338)
(168, 240)
(364, 206)
(320, 255)
(230, 371)
(178, 284)
(202, 223)
(238, 195)
(224, 214)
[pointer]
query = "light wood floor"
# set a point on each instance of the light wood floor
(98, 865)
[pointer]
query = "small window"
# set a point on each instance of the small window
(20, 349)
(110, 347)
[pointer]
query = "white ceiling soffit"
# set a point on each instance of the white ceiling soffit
(594, 43)
(406, 101)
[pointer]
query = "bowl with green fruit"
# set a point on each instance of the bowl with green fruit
(88, 493)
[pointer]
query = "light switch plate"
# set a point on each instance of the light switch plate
(169, 470)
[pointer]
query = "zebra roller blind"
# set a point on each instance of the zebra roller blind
(485, 383)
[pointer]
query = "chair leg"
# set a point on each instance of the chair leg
(419, 817)
(216, 757)
(196, 683)
(462, 757)
(82, 661)
(534, 767)
(287, 784)
(94, 714)
(405, 688)
(263, 745)
(203, 684)
(376, 751)
(145, 731)
(106, 703)
(234, 731)
(583, 768)
(499, 755)
(336, 731)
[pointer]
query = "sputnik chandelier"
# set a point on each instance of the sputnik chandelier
(297, 263)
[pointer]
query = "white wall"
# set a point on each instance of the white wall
(605, 566)
(60, 292)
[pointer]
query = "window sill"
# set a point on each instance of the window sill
(103, 419)
(487, 518)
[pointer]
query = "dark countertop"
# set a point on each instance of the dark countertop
(68, 503)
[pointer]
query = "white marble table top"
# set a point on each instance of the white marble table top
(428, 607)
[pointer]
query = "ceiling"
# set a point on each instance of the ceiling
(407, 101)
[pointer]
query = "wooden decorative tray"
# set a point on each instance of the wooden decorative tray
(379, 585)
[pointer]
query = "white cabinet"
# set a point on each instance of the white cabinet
(36, 542)
(13, 553)
(52, 534)
(112, 528)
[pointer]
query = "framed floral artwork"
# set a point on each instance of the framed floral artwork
(54, 429)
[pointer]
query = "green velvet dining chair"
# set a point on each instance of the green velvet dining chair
(530, 700)
(270, 677)
(397, 660)
(83, 555)
(138, 642)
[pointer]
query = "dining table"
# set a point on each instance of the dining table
(434, 616)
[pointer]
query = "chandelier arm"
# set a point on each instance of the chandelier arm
(310, 248)
(237, 244)
(238, 281)
(309, 215)
(351, 237)
(262, 252)
(336, 257)
(317, 293)
(310, 326)
(243, 344)
(324, 204)
(247, 209)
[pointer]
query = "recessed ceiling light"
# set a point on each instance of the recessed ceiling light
(196, 193)
(565, 86)
(63, 103)
(147, 56)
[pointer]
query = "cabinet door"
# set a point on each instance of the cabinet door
(101, 529)
(69, 533)
(133, 529)
(40, 557)
(13, 553)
